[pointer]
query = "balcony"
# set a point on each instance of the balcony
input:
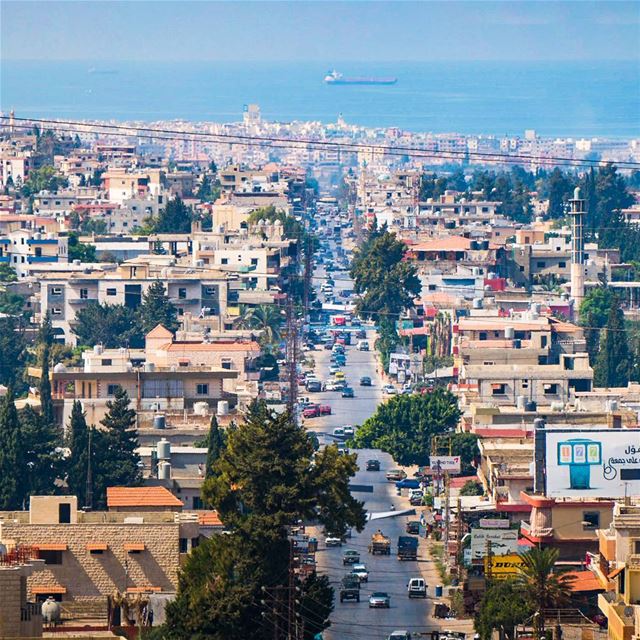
(41, 259)
(528, 530)
(6, 259)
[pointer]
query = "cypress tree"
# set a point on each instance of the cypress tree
(613, 365)
(12, 481)
(42, 454)
(156, 309)
(216, 444)
(46, 340)
(78, 443)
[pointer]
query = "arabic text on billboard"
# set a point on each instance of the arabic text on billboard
(445, 463)
(502, 541)
(503, 567)
(597, 463)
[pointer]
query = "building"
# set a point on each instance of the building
(23, 248)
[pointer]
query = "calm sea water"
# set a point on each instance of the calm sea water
(556, 99)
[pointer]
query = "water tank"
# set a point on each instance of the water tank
(164, 470)
(509, 332)
(477, 303)
(77, 262)
(201, 408)
(531, 405)
(223, 407)
(50, 610)
(59, 368)
(164, 449)
(557, 406)
(159, 421)
(97, 349)
(520, 401)
(538, 423)
(149, 366)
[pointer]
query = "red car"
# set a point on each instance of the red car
(325, 410)
(312, 411)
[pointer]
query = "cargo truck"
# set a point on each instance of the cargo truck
(380, 544)
(407, 548)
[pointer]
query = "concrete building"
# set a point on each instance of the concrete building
(23, 248)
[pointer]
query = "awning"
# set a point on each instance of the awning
(615, 572)
(134, 546)
(148, 589)
(51, 546)
(97, 546)
(47, 590)
(496, 386)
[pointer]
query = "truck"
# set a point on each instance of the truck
(380, 544)
(407, 548)
(350, 588)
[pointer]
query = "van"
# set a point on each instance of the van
(363, 345)
(417, 588)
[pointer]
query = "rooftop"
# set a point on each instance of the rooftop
(141, 497)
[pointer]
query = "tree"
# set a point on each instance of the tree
(42, 452)
(45, 339)
(156, 308)
(215, 445)
(79, 250)
(593, 314)
(119, 464)
(174, 218)
(559, 188)
(11, 303)
(316, 604)
(266, 318)
(404, 425)
(464, 445)
(502, 608)
(543, 585)
(13, 349)
(613, 364)
(471, 488)
(112, 326)
(12, 481)
(45, 178)
(78, 461)
(7, 273)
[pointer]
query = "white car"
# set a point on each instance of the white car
(360, 570)
(348, 430)
(389, 389)
(333, 541)
(334, 368)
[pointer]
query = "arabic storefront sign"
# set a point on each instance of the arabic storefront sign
(494, 523)
(502, 541)
(596, 463)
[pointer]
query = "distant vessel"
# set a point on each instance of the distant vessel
(102, 72)
(334, 77)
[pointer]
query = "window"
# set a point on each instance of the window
(184, 545)
(541, 264)
(197, 502)
(111, 389)
(84, 294)
(483, 335)
(202, 389)
(182, 293)
(543, 341)
(254, 261)
(562, 264)
(224, 261)
(56, 311)
(636, 546)
(521, 268)
(106, 362)
(56, 291)
(64, 513)
(525, 384)
(50, 557)
(227, 364)
(550, 389)
(590, 520)
(195, 542)
(111, 292)
(38, 252)
(498, 389)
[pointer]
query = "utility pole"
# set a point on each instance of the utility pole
(292, 356)
(308, 271)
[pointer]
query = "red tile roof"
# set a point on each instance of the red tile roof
(159, 331)
(585, 581)
(210, 519)
(141, 497)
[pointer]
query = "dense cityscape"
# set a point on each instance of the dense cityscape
(313, 380)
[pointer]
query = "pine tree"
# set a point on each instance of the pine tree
(45, 338)
(12, 470)
(119, 463)
(613, 365)
(41, 450)
(157, 309)
(215, 446)
(77, 462)
(174, 218)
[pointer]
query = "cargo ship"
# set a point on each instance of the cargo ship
(334, 77)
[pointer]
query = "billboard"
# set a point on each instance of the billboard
(503, 567)
(503, 542)
(593, 463)
(445, 463)
(494, 523)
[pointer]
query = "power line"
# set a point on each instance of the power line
(279, 142)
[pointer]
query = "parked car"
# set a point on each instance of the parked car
(338, 432)
(396, 474)
(325, 410)
(350, 556)
(389, 389)
(348, 392)
(312, 411)
(399, 635)
(408, 483)
(379, 600)
(365, 381)
(360, 570)
(361, 334)
(333, 541)
(342, 450)
(373, 465)
(413, 527)
(313, 386)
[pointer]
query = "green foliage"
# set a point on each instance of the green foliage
(387, 341)
(266, 318)
(215, 445)
(12, 481)
(316, 604)
(44, 385)
(77, 462)
(79, 250)
(13, 349)
(156, 309)
(43, 179)
(404, 425)
(209, 189)
(7, 273)
(109, 325)
(11, 303)
(613, 363)
(471, 488)
(464, 445)
(558, 188)
(502, 607)
(93, 225)
(292, 228)
(174, 218)
(96, 178)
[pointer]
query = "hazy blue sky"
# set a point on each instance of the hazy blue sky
(201, 30)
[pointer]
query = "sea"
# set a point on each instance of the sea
(562, 99)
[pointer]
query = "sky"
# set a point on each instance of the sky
(159, 30)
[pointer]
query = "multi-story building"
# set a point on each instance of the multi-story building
(23, 248)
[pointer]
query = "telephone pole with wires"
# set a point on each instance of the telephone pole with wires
(292, 356)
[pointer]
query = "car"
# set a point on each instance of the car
(355, 322)
(396, 474)
(389, 389)
(335, 385)
(413, 527)
(399, 635)
(365, 381)
(338, 432)
(339, 375)
(361, 334)
(339, 359)
(334, 368)
(360, 570)
(417, 588)
(337, 348)
(348, 430)
(313, 386)
(408, 483)
(328, 346)
(373, 465)
(312, 411)
(333, 541)
(379, 600)
(347, 392)
(342, 450)
(415, 500)
(325, 410)
(350, 556)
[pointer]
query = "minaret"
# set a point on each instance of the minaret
(12, 121)
(577, 248)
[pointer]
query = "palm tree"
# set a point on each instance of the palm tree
(543, 588)
(266, 318)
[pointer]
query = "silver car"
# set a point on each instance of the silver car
(379, 600)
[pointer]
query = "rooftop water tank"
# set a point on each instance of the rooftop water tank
(164, 470)
(477, 303)
(149, 366)
(509, 332)
(159, 421)
(50, 610)
(201, 408)
(223, 407)
(164, 449)
(97, 349)
(520, 401)
(59, 368)
(530, 406)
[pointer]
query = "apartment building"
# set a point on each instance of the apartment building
(122, 184)
(23, 248)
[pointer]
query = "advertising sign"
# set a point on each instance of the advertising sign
(445, 463)
(594, 463)
(503, 567)
(503, 542)
(494, 523)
